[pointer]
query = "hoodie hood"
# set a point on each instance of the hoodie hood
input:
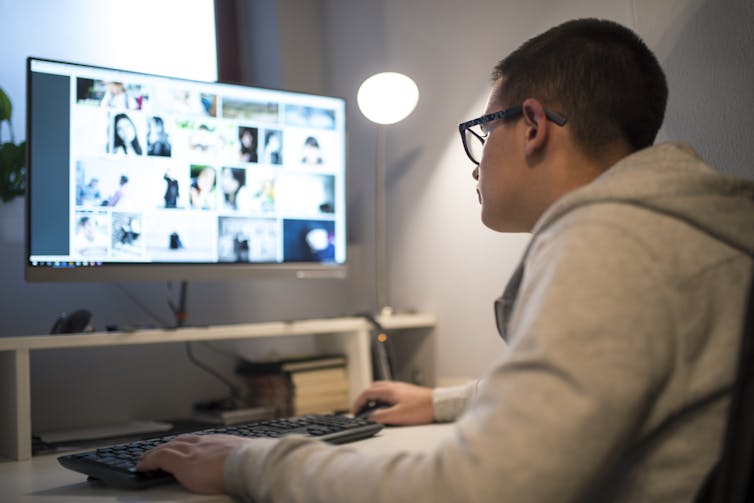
(669, 179)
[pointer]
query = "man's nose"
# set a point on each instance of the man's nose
(475, 173)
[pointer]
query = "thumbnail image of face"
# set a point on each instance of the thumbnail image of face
(273, 147)
(125, 140)
(312, 156)
(248, 139)
(202, 191)
(232, 184)
(125, 129)
(158, 143)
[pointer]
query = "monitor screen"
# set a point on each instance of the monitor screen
(133, 176)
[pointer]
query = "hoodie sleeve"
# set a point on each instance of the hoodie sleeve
(569, 394)
(450, 402)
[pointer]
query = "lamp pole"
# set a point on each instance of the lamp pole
(381, 222)
(384, 98)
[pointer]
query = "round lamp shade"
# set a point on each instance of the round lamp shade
(387, 98)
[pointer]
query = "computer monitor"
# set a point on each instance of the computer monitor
(134, 176)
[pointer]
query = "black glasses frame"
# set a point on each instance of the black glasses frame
(508, 113)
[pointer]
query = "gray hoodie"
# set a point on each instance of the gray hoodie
(622, 313)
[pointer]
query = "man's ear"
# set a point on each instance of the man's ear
(537, 127)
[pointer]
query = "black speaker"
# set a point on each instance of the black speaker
(74, 323)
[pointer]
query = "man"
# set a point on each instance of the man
(625, 310)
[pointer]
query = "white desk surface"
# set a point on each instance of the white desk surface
(42, 479)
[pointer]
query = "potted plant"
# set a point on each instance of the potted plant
(12, 156)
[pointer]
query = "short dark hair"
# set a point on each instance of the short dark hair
(597, 73)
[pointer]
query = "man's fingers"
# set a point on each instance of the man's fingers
(383, 415)
(378, 391)
(364, 398)
(164, 457)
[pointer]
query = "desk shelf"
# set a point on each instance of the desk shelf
(349, 336)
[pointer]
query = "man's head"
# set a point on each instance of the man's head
(598, 74)
(575, 100)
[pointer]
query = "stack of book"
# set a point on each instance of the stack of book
(227, 417)
(297, 386)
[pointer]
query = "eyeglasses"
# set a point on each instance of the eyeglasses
(473, 132)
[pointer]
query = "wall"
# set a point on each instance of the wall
(441, 258)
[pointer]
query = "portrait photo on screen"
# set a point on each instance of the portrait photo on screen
(127, 134)
(309, 149)
(202, 192)
(234, 193)
(248, 142)
(158, 137)
(272, 151)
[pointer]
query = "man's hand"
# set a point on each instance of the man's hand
(410, 404)
(196, 461)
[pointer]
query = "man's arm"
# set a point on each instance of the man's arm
(411, 404)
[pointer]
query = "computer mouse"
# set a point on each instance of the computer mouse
(370, 407)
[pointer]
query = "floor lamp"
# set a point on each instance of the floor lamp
(385, 98)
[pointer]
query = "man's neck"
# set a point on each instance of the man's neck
(572, 169)
(577, 168)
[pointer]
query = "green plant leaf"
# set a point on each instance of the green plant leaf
(12, 170)
(5, 107)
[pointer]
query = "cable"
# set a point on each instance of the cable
(179, 310)
(160, 321)
(235, 394)
(224, 352)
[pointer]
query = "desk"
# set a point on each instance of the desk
(349, 336)
(42, 479)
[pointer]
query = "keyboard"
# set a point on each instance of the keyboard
(115, 465)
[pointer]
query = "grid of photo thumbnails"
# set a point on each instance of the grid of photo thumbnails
(165, 173)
